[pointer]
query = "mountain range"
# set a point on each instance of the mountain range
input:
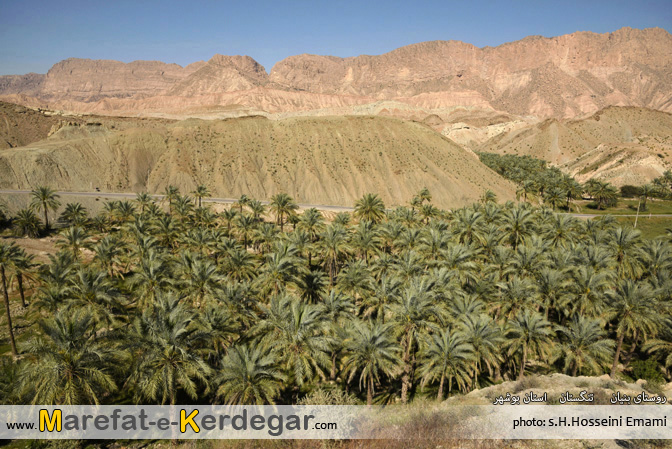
(562, 77)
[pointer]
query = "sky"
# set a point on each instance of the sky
(34, 35)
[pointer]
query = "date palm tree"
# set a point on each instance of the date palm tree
(298, 331)
(150, 279)
(585, 346)
(144, 200)
(201, 192)
(634, 309)
(75, 239)
(74, 214)
(414, 314)
(26, 224)
(24, 266)
(282, 205)
(249, 375)
(370, 208)
(65, 365)
(46, 199)
(8, 255)
(171, 193)
(167, 348)
(371, 351)
(334, 247)
(445, 354)
(530, 334)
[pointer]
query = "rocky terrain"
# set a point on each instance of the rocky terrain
(622, 145)
(561, 77)
(317, 160)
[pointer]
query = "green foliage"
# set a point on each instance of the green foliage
(647, 369)
(151, 306)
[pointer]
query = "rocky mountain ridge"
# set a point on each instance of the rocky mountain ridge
(566, 76)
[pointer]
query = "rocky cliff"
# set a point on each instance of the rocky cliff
(565, 76)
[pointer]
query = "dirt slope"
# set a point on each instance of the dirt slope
(622, 145)
(21, 126)
(326, 160)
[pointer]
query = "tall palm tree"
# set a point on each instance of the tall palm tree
(171, 194)
(74, 214)
(585, 346)
(74, 238)
(282, 205)
(572, 190)
(370, 207)
(530, 334)
(298, 331)
(334, 247)
(414, 314)
(371, 351)
(8, 254)
(517, 225)
(257, 209)
(244, 200)
(634, 309)
(603, 193)
(144, 200)
(65, 365)
(645, 192)
(46, 199)
(150, 279)
(167, 344)
(201, 192)
(249, 375)
(624, 243)
(312, 222)
(23, 266)
(445, 354)
(93, 291)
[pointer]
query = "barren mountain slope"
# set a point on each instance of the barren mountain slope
(563, 76)
(623, 145)
(21, 126)
(327, 160)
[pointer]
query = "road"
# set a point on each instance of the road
(205, 200)
(303, 206)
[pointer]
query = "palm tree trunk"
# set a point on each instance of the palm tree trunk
(439, 396)
(405, 378)
(8, 312)
(575, 370)
(19, 279)
(332, 375)
(46, 217)
(628, 357)
(369, 391)
(619, 346)
(523, 363)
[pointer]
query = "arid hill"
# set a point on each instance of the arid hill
(565, 76)
(622, 145)
(325, 160)
(20, 126)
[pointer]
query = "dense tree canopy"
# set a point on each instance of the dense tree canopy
(165, 304)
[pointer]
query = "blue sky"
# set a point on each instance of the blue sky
(36, 34)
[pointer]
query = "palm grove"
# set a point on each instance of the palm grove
(167, 303)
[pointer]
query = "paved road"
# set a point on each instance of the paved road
(303, 206)
(205, 200)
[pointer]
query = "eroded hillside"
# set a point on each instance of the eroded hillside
(325, 160)
(622, 145)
